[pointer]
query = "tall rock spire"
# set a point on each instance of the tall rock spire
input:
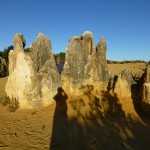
(101, 50)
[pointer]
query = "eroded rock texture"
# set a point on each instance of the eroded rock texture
(123, 84)
(83, 65)
(33, 78)
(146, 91)
(101, 51)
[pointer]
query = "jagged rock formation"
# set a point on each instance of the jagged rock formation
(123, 83)
(146, 91)
(83, 66)
(137, 74)
(101, 51)
(33, 78)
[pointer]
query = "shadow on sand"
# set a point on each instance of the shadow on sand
(59, 137)
(90, 122)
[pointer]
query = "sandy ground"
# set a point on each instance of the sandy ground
(133, 67)
(88, 122)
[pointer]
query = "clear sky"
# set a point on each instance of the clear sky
(125, 24)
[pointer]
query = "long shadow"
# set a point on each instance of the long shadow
(59, 139)
(98, 127)
(95, 122)
(136, 95)
(101, 124)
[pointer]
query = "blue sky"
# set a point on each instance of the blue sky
(125, 24)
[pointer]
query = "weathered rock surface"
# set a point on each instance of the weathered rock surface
(33, 78)
(101, 51)
(123, 83)
(146, 91)
(83, 66)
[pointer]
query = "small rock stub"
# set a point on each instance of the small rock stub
(122, 87)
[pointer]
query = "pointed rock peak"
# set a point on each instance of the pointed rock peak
(102, 40)
(40, 34)
(18, 35)
(42, 40)
(74, 38)
(19, 39)
(19, 42)
(87, 34)
(101, 46)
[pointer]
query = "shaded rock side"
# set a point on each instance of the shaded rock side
(33, 78)
(82, 66)
(145, 102)
(123, 83)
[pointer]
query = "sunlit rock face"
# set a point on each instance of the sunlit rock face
(83, 65)
(33, 78)
(123, 84)
(101, 51)
(146, 91)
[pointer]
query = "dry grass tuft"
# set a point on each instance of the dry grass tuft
(12, 104)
